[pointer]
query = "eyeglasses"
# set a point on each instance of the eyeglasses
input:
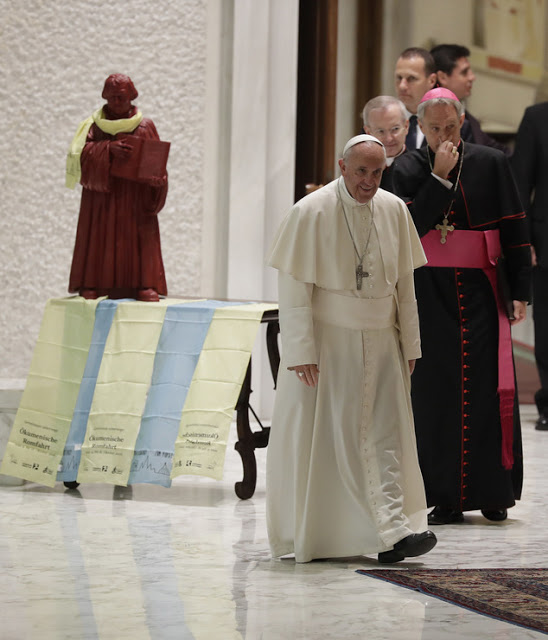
(384, 132)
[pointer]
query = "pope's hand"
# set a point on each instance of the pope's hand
(307, 373)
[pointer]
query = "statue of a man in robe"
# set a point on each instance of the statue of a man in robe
(117, 250)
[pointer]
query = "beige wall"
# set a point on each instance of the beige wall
(55, 58)
(218, 77)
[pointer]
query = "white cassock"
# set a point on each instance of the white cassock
(343, 477)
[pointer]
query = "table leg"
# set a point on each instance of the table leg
(249, 440)
(245, 445)
(272, 331)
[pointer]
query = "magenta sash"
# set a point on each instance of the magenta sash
(480, 250)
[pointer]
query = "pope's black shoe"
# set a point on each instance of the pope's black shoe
(497, 515)
(542, 422)
(411, 546)
(443, 515)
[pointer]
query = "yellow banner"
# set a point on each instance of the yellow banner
(121, 391)
(43, 420)
(209, 408)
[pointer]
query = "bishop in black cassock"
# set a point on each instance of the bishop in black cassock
(469, 459)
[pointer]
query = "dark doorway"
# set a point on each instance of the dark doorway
(368, 55)
(316, 87)
(317, 84)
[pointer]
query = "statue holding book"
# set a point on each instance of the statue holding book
(120, 161)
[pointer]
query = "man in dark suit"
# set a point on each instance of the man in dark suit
(530, 168)
(455, 73)
(414, 75)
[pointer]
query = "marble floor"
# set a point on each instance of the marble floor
(192, 561)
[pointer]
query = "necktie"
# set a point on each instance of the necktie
(411, 137)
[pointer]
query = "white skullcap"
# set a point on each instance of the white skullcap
(363, 137)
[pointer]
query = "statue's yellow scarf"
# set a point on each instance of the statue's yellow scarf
(112, 127)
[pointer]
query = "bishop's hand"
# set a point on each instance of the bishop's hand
(520, 312)
(447, 157)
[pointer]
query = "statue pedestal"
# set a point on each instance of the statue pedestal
(11, 390)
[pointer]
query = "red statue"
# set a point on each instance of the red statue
(117, 249)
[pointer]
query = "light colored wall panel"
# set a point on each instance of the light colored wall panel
(445, 20)
(55, 58)
(346, 76)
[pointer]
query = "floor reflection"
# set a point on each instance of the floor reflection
(192, 562)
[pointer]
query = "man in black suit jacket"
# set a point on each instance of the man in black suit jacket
(530, 168)
(414, 75)
(455, 73)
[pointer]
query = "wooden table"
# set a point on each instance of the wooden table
(249, 440)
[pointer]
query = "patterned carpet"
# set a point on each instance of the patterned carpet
(519, 596)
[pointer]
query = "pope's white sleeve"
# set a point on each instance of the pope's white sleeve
(296, 322)
(408, 318)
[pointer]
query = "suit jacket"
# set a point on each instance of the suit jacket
(530, 167)
(407, 141)
(472, 132)
(387, 180)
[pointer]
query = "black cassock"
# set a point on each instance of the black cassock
(454, 386)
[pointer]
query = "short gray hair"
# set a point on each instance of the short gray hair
(382, 102)
(456, 104)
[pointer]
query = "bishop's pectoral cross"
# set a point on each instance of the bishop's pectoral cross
(360, 275)
(445, 227)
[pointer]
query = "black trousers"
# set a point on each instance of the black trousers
(540, 319)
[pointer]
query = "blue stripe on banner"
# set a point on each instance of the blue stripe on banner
(159, 583)
(104, 314)
(183, 334)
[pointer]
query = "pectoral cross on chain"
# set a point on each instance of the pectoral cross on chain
(360, 275)
(445, 227)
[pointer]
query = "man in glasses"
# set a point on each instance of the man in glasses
(385, 118)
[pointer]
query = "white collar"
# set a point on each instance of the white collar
(389, 161)
(345, 194)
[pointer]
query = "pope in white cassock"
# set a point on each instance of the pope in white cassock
(343, 477)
